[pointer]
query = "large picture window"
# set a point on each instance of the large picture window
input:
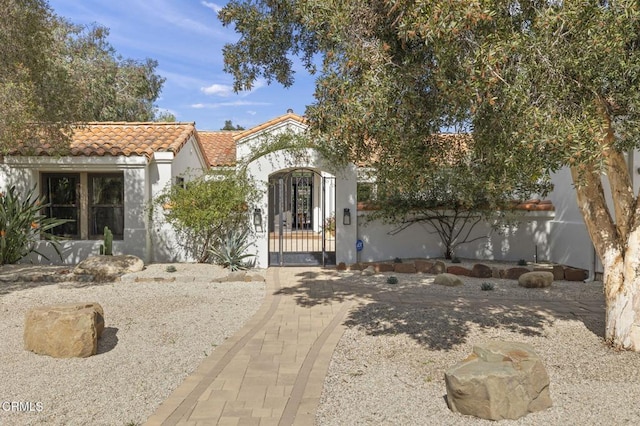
(91, 200)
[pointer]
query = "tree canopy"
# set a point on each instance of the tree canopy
(228, 125)
(540, 85)
(54, 74)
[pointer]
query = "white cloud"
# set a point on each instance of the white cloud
(215, 89)
(213, 6)
(228, 104)
(225, 90)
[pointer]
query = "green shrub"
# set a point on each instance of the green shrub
(486, 286)
(522, 262)
(22, 225)
(170, 268)
(204, 210)
(455, 260)
(392, 280)
(231, 251)
(397, 260)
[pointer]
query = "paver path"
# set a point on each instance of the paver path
(271, 371)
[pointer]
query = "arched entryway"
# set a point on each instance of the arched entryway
(302, 218)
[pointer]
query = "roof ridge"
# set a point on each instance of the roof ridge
(137, 123)
(279, 119)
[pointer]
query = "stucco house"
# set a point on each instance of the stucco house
(110, 176)
(308, 212)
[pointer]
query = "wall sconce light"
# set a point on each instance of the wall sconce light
(257, 219)
(346, 217)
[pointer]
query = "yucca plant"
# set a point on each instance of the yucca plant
(231, 252)
(22, 225)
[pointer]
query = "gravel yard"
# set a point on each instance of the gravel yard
(388, 368)
(157, 332)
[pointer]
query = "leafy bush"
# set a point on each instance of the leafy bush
(522, 262)
(392, 280)
(170, 268)
(22, 225)
(397, 260)
(486, 286)
(231, 251)
(455, 260)
(208, 206)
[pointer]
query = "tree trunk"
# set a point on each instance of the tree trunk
(622, 329)
(619, 250)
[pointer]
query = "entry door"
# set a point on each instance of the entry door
(302, 201)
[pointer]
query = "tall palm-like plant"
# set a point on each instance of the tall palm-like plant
(22, 225)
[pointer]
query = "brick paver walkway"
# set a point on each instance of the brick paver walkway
(271, 372)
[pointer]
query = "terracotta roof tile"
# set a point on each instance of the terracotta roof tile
(220, 147)
(277, 120)
(121, 138)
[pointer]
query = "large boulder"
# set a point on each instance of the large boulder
(383, 267)
(514, 273)
(404, 268)
(109, 267)
(481, 270)
(536, 279)
(423, 266)
(448, 280)
(459, 270)
(64, 331)
(438, 267)
(499, 380)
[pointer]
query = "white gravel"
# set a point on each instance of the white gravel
(388, 368)
(157, 332)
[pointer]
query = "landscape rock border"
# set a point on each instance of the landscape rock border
(478, 270)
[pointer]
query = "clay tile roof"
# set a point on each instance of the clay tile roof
(219, 147)
(277, 120)
(121, 138)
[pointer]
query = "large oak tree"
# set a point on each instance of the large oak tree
(541, 84)
(54, 74)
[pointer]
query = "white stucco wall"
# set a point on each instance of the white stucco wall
(262, 168)
(25, 172)
(525, 239)
(188, 162)
(163, 170)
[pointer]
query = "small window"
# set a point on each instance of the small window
(106, 204)
(62, 194)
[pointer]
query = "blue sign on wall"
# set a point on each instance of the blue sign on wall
(359, 245)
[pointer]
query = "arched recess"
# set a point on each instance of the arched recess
(301, 218)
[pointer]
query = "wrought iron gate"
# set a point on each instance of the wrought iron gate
(301, 218)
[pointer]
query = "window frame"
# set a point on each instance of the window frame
(118, 234)
(84, 207)
(48, 211)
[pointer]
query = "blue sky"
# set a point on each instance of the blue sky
(186, 38)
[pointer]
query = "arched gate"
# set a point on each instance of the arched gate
(302, 218)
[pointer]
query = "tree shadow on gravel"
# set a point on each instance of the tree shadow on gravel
(439, 323)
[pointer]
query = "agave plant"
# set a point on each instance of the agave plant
(22, 225)
(231, 251)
